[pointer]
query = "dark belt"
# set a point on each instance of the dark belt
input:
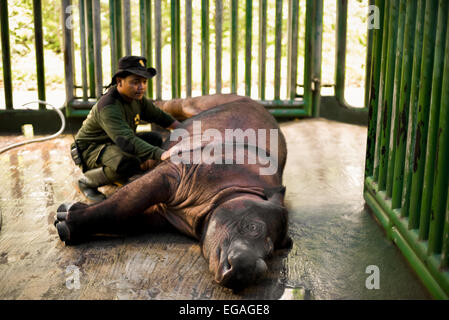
(76, 154)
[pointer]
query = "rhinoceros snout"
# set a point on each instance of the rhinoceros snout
(241, 270)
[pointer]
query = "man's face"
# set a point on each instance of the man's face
(132, 87)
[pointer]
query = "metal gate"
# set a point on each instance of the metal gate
(407, 160)
(303, 85)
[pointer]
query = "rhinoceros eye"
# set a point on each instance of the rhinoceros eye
(251, 228)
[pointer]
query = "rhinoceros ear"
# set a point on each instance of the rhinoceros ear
(275, 194)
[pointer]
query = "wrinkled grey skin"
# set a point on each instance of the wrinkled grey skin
(237, 214)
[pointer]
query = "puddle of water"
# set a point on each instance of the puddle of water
(299, 293)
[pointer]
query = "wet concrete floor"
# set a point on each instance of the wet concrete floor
(335, 237)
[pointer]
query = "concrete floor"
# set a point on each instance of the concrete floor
(335, 238)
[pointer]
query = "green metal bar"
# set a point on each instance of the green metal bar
(97, 48)
(316, 70)
(277, 50)
(188, 48)
(146, 36)
(441, 94)
(403, 104)
(388, 94)
(178, 46)
(445, 251)
(67, 37)
(218, 43)
(6, 55)
(428, 121)
(292, 62)
(112, 36)
(380, 92)
(174, 49)
(262, 47)
(340, 56)
(369, 55)
(127, 26)
(83, 49)
(142, 17)
(39, 45)
(373, 93)
(395, 100)
(288, 113)
(149, 43)
(248, 43)
(234, 46)
(205, 47)
(90, 48)
(119, 29)
(158, 47)
(412, 211)
(308, 55)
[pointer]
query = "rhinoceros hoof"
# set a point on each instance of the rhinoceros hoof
(65, 207)
(63, 231)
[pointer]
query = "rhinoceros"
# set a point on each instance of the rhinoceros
(212, 189)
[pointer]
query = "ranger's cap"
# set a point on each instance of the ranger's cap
(135, 65)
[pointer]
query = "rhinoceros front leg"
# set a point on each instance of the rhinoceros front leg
(136, 203)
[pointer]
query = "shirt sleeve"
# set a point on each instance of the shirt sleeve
(115, 126)
(151, 113)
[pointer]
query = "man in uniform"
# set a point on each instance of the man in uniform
(107, 147)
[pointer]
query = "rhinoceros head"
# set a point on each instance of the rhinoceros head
(241, 235)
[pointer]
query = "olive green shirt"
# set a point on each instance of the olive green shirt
(112, 119)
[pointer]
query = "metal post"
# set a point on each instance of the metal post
(441, 135)
(127, 26)
(90, 48)
(145, 38)
(262, 47)
(403, 104)
(218, 43)
(83, 49)
(39, 44)
(395, 98)
(205, 47)
(158, 47)
(292, 55)
(429, 118)
(189, 48)
(148, 43)
(98, 49)
(234, 47)
(68, 50)
(388, 94)
(380, 92)
(113, 36)
(340, 56)
(277, 50)
(6, 54)
(175, 48)
(423, 63)
(373, 93)
(316, 71)
(410, 170)
(248, 40)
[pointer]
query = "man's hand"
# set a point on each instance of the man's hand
(174, 125)
(173, 150)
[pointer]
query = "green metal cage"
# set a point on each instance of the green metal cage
(407, 160)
